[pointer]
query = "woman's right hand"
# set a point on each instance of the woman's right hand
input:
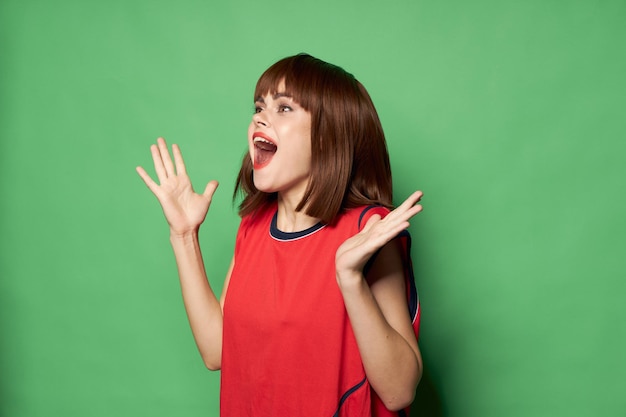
(184, 209)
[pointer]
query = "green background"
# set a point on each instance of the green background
(509, 115)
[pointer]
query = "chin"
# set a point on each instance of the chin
(263, 187)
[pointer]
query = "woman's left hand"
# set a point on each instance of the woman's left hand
(354, 253)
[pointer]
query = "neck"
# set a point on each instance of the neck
(289, 220)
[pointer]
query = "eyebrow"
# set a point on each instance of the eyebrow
(275, 96)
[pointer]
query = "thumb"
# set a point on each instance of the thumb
(371, 222)
(210, 189)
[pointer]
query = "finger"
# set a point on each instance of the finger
(383, 232)
(166, 158)
(391, 230)
(398, 220)
(210, 189)
(371, 222)
(146, 178)
(401, 221)
(411, 200)
(417, 195)
(178, 160)
(414, 207)
(407, 209)
(158, 163)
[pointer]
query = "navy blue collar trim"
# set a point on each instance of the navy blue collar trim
(287, 236)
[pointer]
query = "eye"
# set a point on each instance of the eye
(257, 109)
(283, 108)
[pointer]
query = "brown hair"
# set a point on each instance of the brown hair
(349, 161)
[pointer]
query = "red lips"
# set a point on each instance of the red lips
(264, 149)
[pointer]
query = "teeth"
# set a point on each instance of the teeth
(259, 139)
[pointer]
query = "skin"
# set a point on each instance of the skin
(283, 121)
(376, 304)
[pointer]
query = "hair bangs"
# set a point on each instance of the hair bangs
(302, 80)
(269, 81)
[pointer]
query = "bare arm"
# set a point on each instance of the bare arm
(378, 310)
(204, 310)
(185, 211)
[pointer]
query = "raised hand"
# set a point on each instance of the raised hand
(354, 253)
(184, 209)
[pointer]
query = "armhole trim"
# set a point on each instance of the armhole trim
(411, 288)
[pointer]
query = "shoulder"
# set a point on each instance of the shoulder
(259, 218)
(352, 220)
(368, 211)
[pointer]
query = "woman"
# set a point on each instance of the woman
(319, 313)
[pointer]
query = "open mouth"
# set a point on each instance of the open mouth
(264, 150)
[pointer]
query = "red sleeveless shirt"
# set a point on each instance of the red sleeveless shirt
(288, 347)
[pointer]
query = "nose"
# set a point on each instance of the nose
(260, 119)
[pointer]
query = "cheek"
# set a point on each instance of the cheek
(250, 132)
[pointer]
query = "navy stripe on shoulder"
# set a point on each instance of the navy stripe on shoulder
(364, 212)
